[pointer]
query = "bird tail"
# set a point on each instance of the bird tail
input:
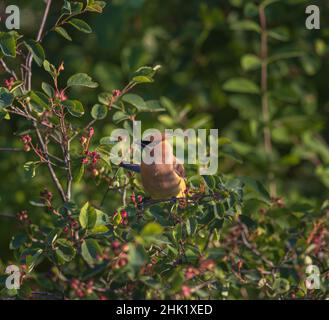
(131, 167)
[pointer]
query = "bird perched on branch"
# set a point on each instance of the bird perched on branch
(164, 178)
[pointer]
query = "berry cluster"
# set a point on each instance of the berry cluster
(27, 142)
(71, 226)
(60, 94)
(82, 289)
(123, 217)
(23, 216)
(9, 83)
(135, 200)
(120, 251)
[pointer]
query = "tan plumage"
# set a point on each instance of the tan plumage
(163, 180)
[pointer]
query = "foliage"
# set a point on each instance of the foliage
(92, 233)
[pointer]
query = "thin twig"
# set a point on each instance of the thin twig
(35, 125)
(6, 68)
(39, 37)
(264, 91)
(11, 150)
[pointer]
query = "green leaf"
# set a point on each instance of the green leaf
(74, 107)
(83, 80)
(63, 33)
(120, 116)
(67, 6)
(250, 62)
(152, 229)
(39, 101)
(96, 6)
(49, 68)
(142, 79)
(30, 167)
(136, 257)
(65, 252)
(48, 89)
(76, 7)
(251, 224)
(280, 33)
(80, 174)
(8, 44)
(80, 25)
(135, 100)
(17, 241)
(241, 85)
(6, 98)
(153, 106)
(105, 98)
(210, 181)
(33, 259)
(90, 250)
(88, 216)
(253, 189)
(246, 25)
(37, 51)
(99, 111)
(191, 226)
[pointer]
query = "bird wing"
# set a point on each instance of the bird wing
(131, 167)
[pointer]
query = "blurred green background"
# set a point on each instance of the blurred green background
(200, 46)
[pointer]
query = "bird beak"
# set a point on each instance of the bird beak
(144, 144)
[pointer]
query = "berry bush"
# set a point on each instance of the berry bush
(93, 234)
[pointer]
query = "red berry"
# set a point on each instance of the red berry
(186, 291)
(116, 93)
(91, 132)
(115, 244)
(124, 214)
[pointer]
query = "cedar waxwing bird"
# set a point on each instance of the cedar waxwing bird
(164, 178)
